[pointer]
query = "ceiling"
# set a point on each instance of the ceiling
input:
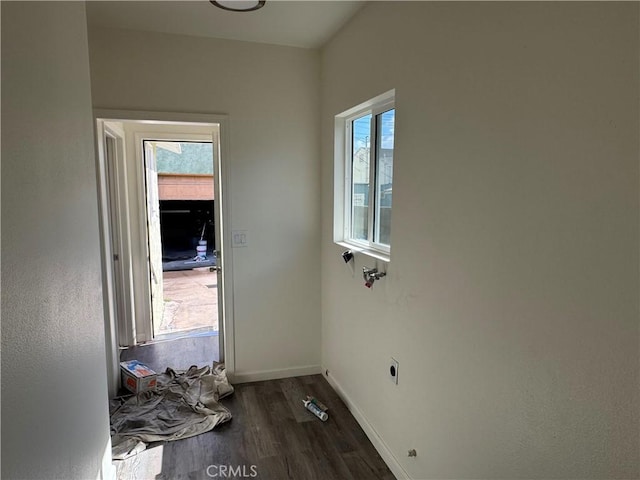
(307, 24)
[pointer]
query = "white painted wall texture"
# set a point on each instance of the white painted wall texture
(512, 296)
(54, 394)
(271, 95)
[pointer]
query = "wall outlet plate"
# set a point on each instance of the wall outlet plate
(239, 238)
(393, 370)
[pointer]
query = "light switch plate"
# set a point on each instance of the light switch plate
(238, 238)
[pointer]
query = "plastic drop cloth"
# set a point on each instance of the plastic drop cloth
(185, 404)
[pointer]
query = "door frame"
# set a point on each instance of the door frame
(145, 330)
(222, 209)
(108, 272)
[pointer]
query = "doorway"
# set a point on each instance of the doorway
(180, 198)
(164, 222)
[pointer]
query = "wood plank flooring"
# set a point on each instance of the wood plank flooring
(271, 437)
(179, 353)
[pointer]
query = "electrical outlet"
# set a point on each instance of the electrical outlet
(239, 238)
(393, 370)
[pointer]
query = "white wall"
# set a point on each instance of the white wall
(512, 296)
(271, 95)
(54, 395)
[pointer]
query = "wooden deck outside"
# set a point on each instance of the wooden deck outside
(190, 301)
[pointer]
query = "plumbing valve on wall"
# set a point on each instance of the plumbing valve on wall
(370, 275)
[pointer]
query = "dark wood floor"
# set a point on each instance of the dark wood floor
(179, 353)
(271, 436)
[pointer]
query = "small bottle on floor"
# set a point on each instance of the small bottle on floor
(313, 408)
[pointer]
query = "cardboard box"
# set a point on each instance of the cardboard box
(137, 377)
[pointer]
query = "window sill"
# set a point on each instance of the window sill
(377, 254)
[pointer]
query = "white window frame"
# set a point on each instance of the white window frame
(343, 176)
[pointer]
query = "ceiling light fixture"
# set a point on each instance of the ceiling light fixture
(239, 5)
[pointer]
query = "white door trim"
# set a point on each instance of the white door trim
(144, 324)
(123, 282)
(111, 330)
(226, 324)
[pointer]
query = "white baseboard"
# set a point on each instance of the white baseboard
(382, 448)
(244, 377)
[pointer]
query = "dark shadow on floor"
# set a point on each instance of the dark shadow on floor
(178, 354)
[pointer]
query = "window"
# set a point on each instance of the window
(364, 156)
